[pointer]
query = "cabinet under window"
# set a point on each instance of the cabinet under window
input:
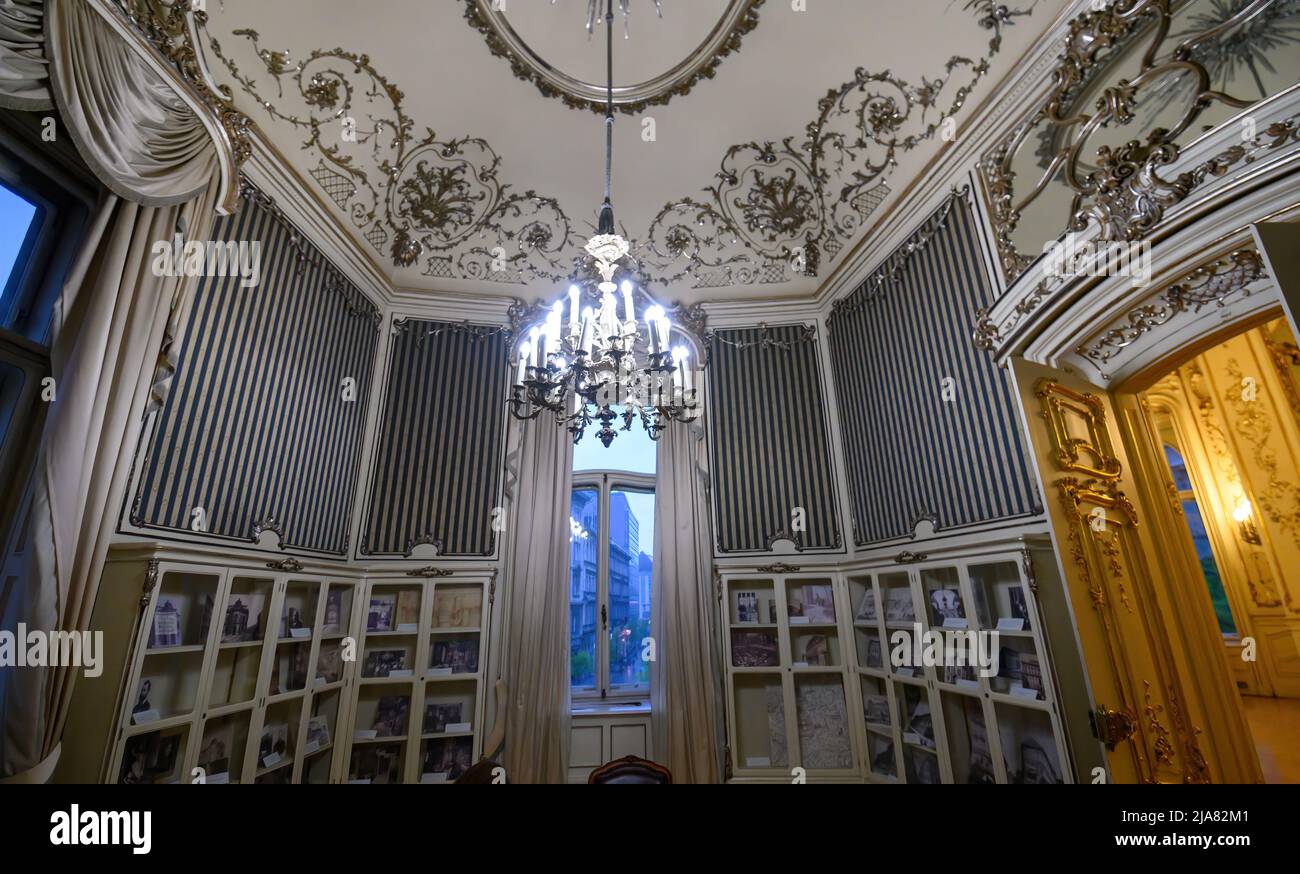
(611, 563)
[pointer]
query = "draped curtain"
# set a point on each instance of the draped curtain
(536, 662)
(114, 327)
(24, 71)
(685, 698)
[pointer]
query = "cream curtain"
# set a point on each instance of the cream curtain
(109, 331)
(536, 664)
(685, 696)
(114, 327)
(129, 124)
(24, 71)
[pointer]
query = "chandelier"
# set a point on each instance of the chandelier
(602, 359)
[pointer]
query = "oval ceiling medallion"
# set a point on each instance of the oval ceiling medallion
(530, 37)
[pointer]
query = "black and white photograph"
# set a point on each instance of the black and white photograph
(438, 716)
(754, 649)
(945, 604)
(460, 655)
(243, 622)
(447, 757)
(391, 714)
(380, 615)
(382, 662)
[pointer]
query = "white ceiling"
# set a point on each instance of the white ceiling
(531, 166)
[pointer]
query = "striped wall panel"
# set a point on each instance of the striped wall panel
(441, 452)
(771, 452)
(257, 428)
(911, 454)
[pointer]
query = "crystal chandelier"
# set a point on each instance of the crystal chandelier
(602, 359)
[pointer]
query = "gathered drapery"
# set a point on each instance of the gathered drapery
(24, 70)
(684, 694)
(114, 330)
(536, 660)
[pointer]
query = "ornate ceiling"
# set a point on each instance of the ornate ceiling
(455, 140)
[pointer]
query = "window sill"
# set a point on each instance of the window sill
(597, 709)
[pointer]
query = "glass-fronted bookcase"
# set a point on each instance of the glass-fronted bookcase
(420, 697)
(788, 676)
(223, 669)
(987, 711)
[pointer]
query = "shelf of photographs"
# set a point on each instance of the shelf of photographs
(787, 677)
(930, 722)
(421, 693)
(246, 675)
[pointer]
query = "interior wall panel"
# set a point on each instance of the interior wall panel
(259, 427)
(930, 429)
(440, 457)
(770, 442)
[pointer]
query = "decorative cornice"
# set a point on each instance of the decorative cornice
(779, 568)
(431, 571)
(285, 564)
(909, 557)
(1212, 283)
(737, 20)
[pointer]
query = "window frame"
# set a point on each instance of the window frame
(604, 483)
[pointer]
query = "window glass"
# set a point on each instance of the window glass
(631, 565)
(16, 217)
(584, 614)
(1201, 540)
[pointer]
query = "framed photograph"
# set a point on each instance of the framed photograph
(377, 764)
(867, 606)
(794, 602)
(448, 757)
(380, 615)
(753, 649)
(382, 662)
(882, 755)
(143, 703)
(1037, 766)
(408, 609)
(457, 609)
(299, 665)
(218, 742)
(1009, 664)
(274, 745)
(438, 716)
(166, 626)
(876, 708)
(292, 622)
(813, 649)
(953, 673)
(318, 732)
(771, 610)
(874, 657)
(390, 716)
(459, 655)
(819, 604)
(1031, 676)
(1019, 609)
(746, 608)
(150, 758)
(243, 620)
(333, 622)
(945, 604)
(329, 664)
(898, 605)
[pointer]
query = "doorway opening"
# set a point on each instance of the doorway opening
(1228, 421)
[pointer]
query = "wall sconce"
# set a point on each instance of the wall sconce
(1245, 525)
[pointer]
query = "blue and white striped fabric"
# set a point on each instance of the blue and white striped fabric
(441, 451)
(910, 453)
(257, 427)
(771, 452)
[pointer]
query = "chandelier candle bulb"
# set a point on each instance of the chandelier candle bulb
(629, 314)
(525, 352)
(534, 336)
(573, 309)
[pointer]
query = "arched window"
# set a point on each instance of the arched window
(611, 562)
(1201, 538)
